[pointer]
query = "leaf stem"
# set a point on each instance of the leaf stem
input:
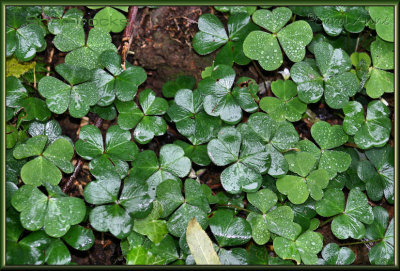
(360, 242)
(327, 221)
(234, 207)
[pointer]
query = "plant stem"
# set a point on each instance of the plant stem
(128, 34)
(73, 176)
(327, 221)
(234, 207)
(360, 242)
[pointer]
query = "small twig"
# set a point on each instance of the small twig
(234, 207)
(73, 176)
(360, 242)
(127, 35)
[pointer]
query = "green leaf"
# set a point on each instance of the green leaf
(211, 36)
(110, 20)
(383, 252)
(384, 21)
(244, 174)
(191, 121)
(15, 92)
(236, 9)
(151, 226)
(51, 129)
(327, 136)
(178, 221)
(372, 131)
(57, 253)
(79, 238)
(336, 18)
(286, 105)
(303, 249)
(83, 54)
(357, 212)
(259, 228)
(235, 256)
(200, 244)
(229, 230)
(170, 196)
(170, 88)
(293, 38)
(194, 195)
(263, 199)
(331, 204)
(382, 54)
(379, 82)
(196, 153)
(301, 163)
(335, 255)
(55, 214)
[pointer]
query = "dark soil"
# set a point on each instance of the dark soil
(162, 46)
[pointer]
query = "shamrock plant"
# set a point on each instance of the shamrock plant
(328, 76)
(77, 96)
(335, 19)
(116, 83)
(220, 162)
(46, 166)
(110, 19)
(248, 161)
(24, 37)
(285, 105)
(212, 35)
(114, 211)
(293, 38)
(222, 101)
(83, 53)
(110, 157)
(349, 221)
(308, 182)
(55, 212)
(377, 79)
(371, 131)
(147, 120)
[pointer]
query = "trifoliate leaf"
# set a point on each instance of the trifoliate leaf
(384, 21)
(335, 255)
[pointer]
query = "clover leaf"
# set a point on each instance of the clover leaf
(117, 82)
(45, 168)
(276, 137)
(329, 137)
(190, 119)
(212, 35)
(348, 222)
(276, 220)
(51, 129)
(264, 47)
(104, 112)
(114, 211)
(18, 99)
(83, 53)
(335, 19)
(229, 230)
(24, 37)
(335, 255)
(172, 164)
(147, 120)
(383, 16)
(13, 167)
(110, 19)
(372, 131)
(170, 88)
(309, 182)
(248, 161)
(381, 253)
(196, 153)
(285, 105)
(55, 212)
(303, 249)
(78, 95)
(195, 204)
(333, 79)
(58, 18)
(378, 173)
(113, 156)
(222, 101)
(236, 9)
(380, 81)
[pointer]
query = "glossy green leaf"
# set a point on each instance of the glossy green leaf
(372, 131)
(170, 88)
(54, 214)
(383, 17)
(110, 20)
(285, 105)
(79, 238)
(229, 230)
(178, 221)
(335, 255)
